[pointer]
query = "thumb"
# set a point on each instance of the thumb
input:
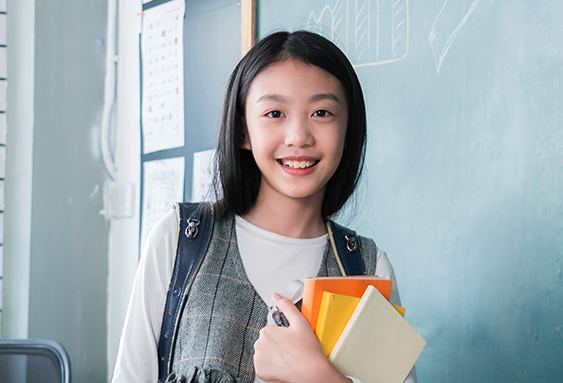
(291, 312)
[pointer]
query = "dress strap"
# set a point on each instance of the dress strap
(195, 221)
(346, 246)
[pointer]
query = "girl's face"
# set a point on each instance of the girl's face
(296, 116)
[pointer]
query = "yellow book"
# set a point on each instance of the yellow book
(334, 312)
(400, 310)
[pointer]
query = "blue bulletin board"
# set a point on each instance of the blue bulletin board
(210, 48)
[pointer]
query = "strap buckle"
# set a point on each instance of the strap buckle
(192, 229)
(351, 243)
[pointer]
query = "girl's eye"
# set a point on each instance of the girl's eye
(274, 114)
(321, 113)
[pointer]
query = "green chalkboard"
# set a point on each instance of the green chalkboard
(464, 176)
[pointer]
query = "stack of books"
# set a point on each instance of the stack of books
(361, 333)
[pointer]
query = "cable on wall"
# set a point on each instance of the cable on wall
(109, 92)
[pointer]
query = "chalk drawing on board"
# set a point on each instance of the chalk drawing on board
(399, 30)
(441, 28)
(362, 27)
(333, 20)
(370, 32)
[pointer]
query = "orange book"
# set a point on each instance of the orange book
(352, 286)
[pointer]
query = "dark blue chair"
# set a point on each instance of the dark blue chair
(33, 361)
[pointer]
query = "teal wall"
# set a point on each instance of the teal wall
(464, 178)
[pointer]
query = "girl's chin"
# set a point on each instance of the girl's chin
(301, 195)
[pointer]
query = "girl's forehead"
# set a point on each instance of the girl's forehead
(292, 64)
(292, 75)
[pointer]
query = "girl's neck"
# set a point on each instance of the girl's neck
(290, 217)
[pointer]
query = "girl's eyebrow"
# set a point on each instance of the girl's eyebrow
(315, 98)
(271, 97)
(324, 96)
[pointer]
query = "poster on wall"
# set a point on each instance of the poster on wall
(162, 56)
(163, 185)
(202, 176)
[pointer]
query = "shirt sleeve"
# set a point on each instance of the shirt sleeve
(385, 270)
(137, 358)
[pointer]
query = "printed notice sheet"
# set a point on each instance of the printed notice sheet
(163, 185)
(202, 178)
(162, 55)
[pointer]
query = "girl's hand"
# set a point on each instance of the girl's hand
(292, 354)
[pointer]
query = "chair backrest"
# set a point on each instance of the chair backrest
(33, 361)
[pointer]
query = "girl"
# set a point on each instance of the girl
(290, 154)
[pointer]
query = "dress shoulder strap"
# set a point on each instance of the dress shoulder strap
(346, 246)
(195, 222)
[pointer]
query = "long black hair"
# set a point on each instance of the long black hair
(237, 177)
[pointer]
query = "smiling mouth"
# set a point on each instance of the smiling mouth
(297, 164)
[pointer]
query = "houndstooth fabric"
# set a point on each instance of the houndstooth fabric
(223, 314)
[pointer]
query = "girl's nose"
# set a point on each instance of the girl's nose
(298, 133)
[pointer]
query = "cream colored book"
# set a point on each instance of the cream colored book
(377, 345)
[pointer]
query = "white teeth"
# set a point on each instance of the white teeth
(298, 165)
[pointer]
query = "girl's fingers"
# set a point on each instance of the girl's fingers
(286, 306)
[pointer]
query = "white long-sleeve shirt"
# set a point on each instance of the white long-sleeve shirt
(270, 260)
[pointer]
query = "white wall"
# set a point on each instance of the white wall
(19, 158)
(124, 232)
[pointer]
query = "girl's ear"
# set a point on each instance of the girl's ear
(244, 140)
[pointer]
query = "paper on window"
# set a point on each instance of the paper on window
(202, 177)
(163, 185)
(162, 56)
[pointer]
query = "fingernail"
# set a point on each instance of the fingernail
(276, 296)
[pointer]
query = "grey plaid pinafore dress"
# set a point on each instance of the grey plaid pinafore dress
(223, 314)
